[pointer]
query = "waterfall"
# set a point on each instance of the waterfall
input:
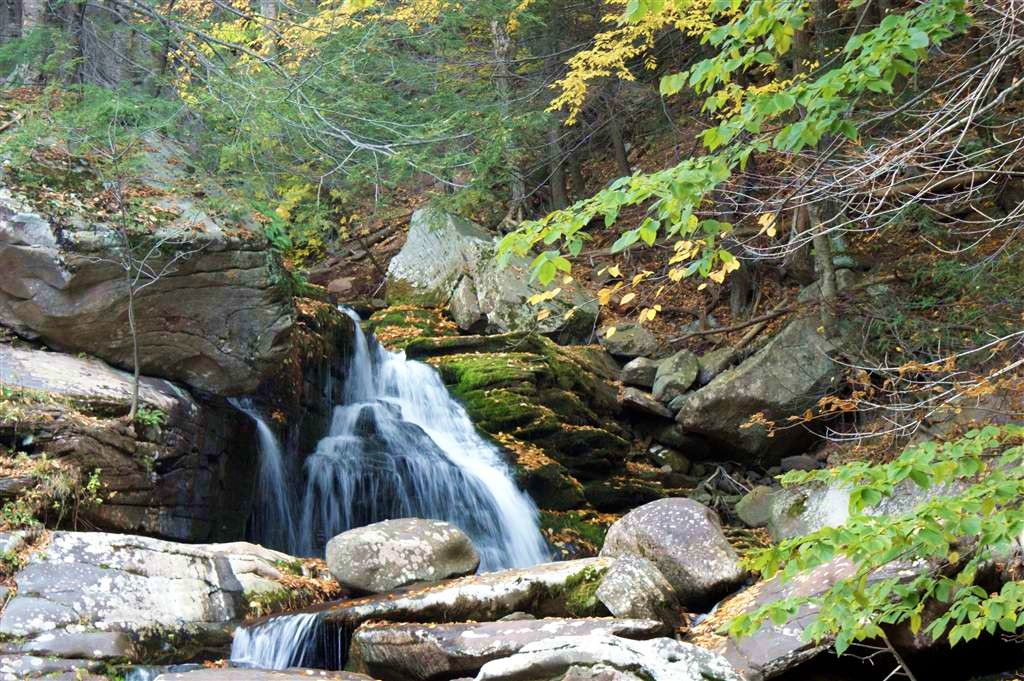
(298, 640)
(274, 520)
(401, 446)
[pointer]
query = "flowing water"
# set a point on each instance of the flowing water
(400, 446)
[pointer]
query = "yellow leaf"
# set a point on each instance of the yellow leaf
(626, 298)
(614, 271)
(731, 266)
(718, 276)
(702, 286)
(657, 308)
(566, 280)
(543, 314)
(675, 274)
(609, 332)
(767, 222)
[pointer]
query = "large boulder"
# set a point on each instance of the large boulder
(684, 541)
(785, 378)
(394, 553)
(216, 319)
(575, 658)
(450, 262)
(186, 476)
(432, 652)
(98, 596)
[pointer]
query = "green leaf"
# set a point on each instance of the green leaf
(673, 83)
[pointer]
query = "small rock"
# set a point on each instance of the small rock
(755, 508)
(629, 341)
(517, 616)
(640, 372)
(684, 540)
(635, 588)
(341, 287)
(666, 456)
(633, 398)
(675, 376)
(799, 462)
(387, 555)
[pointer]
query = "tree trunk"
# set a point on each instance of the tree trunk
(556, 165)
(574, 166)
(33, 15)
(826, 272)
(618, 143)
(504, 50)
(136, 373)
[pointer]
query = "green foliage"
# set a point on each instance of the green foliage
(972, 524)
(787, 116)
(150, 416)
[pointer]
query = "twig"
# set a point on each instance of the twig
(777, 312)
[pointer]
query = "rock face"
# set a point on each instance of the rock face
(574, 658)
(629, 341)
(187, 478)
(215, 320)
(564, 589)
(783, 379)
(395, 553)
(684, 541)
(635, 588)
(449, 262)
(104, 596)
(416, 652)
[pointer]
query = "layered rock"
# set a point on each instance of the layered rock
(215, 319)
(575, 658)
(433, 652)
(387, 555)
(98, 596)
(184, 476)
(261, 675)
(634, 587)
(684, 541)
(449, 262)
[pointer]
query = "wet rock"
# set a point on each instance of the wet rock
(108, 596)
(755, 508)
(387, 555)
(629, 341)
(666, 456)
(181, 480)
(59, 284)
(783, 379)
(575, 657)
(684, 541)
(564, 589)
(637, 400)
(634, 588)
(430, 652)
(675, 376)
(445, 255)
(640, 372)
(261, 675)
(17, 667)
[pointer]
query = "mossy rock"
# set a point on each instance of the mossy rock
(575, 534)
(396, 327)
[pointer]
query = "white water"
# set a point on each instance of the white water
(400, 447)
(274, 520)
(278, 643)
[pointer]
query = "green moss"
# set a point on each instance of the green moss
(580, 593)
(577, 523)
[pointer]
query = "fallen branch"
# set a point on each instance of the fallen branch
(778, 311)
(4, 127)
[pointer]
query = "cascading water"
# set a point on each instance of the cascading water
(400, 446)
(274, 520)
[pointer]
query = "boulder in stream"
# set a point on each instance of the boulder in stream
(684, 541)
(633, 587)
(575, 658)
(384, 556)
(432, 652)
